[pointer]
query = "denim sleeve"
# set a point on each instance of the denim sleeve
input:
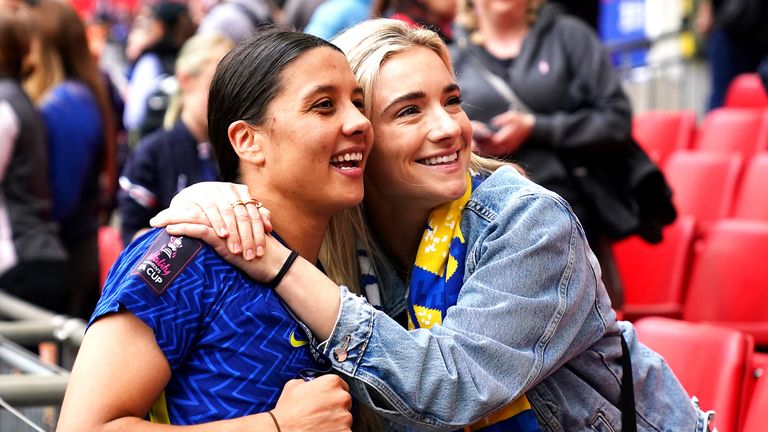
(524, 310)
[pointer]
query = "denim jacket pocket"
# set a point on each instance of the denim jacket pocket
(600, 423)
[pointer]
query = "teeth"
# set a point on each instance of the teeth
(440, 159)
(348, 157)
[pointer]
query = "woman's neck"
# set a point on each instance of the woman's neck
(198, 130)
(398, 228)
(301, 228)
(503, 41)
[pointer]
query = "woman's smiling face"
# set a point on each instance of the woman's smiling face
(318, 137)
(422, 135)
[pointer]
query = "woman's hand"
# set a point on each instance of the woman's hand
(322, 404)
(227, 208)
(262, 269)
(514, 128)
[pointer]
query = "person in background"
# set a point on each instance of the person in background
(208, 346)
(157, 36)
(297, 13)
(238, 19)
(437, 15)
(33, 263)
(168, 160)
(737, 40)
(333, 16)
(566, 99)
(490, 272)
(71, 94)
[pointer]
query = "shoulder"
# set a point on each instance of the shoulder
(157, 260)
(508, 193)
(152, 144)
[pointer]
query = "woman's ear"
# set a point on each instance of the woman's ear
(248, 142)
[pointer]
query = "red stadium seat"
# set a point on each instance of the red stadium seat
(758, 406)
(711, 362)
(654, 276)
(703, 184)
(746, 91)
(729, 278)
(752, 198)
(660, 133)
(757, 378)
(110, 246)
(735, 130)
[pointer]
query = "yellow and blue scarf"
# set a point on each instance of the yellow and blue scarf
(435, 282)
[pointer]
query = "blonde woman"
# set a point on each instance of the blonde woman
(179, 155)
(508, 325)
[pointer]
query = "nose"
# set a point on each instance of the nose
(445, 128)
(355, 123)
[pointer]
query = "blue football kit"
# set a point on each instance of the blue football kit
(230, 342)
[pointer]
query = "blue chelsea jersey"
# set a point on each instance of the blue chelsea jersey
(230, 342)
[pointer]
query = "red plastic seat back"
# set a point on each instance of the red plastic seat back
(758, 406)
(660, 133)
(703, 184)
(746, 91)
(733, 130)
(752, 198)
(729, 278)
(654, 276)
(711, 362)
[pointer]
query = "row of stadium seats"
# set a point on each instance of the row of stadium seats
(700, 297)
(718, 365)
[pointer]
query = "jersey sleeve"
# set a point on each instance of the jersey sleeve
(161, 280)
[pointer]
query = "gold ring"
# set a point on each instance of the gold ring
(236, 203)
(255, 202)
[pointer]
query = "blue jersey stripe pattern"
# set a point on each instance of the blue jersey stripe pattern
(227, 339)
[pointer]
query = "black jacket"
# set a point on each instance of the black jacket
(564, 76)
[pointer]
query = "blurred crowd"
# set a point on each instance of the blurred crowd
(88, 132)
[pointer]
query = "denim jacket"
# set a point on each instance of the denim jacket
(532, 318)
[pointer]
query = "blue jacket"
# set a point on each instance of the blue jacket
(76, 147)
(532, 318)
(165, 162)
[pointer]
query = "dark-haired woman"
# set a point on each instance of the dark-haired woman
(32, 259)
(207, 346)
(71, 94)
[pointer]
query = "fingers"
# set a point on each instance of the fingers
(249, 225)
(266, 216)
(180, 212)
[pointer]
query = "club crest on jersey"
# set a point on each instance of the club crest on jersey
(165, 259)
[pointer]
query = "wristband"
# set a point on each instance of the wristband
(274, 419)
(283, 270)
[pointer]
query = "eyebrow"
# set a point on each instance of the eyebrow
(419, 95)
(328, 88)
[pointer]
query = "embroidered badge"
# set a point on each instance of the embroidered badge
(165, 259)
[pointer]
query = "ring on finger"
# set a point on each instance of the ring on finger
(236, 203)
(255, 202)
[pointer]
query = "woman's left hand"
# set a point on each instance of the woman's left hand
(226, 208)
(514, 128)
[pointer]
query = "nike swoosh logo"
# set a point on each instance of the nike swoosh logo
(295, 342)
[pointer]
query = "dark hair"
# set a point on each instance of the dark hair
(14, 45)
(245, 83)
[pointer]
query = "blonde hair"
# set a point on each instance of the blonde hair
(367, 46)
(197, 52)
